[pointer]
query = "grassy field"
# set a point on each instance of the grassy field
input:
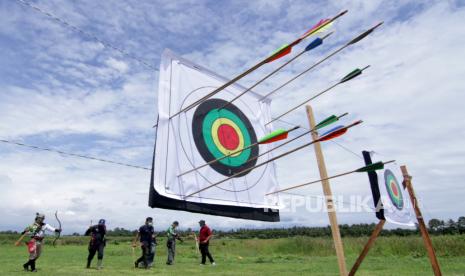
(297, 255)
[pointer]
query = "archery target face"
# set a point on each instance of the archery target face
(202, 125)
(196, 137)
(393, 189)
(220, 132)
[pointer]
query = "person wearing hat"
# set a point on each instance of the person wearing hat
(146, 236)
(205, 235)
(97, 242)
(171, 242)
(36, 232)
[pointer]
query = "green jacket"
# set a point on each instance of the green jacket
(171, 233)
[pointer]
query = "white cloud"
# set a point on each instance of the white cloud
(65, 90)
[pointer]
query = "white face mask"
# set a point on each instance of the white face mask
(150, 223)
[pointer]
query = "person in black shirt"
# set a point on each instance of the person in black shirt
(146, 236)
(97, 242)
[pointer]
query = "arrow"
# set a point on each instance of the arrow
(328, 121)
(355, 73)
(331, 119)
(315, 43)
(372, 167)
(275, 136)
(280, 53)
(293, 139)
(351, 42)
(323, 138)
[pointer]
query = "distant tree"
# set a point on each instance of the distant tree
(461, 225)
(434, 225)
(450, 227)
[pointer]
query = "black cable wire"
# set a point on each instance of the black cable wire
(72, 154)
(85, 33)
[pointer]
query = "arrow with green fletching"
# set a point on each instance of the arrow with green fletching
(351, 42)
(276, 55)
(373, 167)
(355, 73)
(315, 43)
(328, 121)
(272, 137)
(321, 139)
(280, 133)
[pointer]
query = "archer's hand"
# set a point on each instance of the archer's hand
(134, 245)
(58, 230)
(17, 243)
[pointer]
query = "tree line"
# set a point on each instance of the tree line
(435, 227)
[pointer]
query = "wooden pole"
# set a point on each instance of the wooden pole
(329, 197)
(421, 223)
(367, 247)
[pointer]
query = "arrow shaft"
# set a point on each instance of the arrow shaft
(312, 182)
(228, 155)
(304, 102)
(258, 65)
(270, 74)
(219, 88)
(351, 42)
(252, 168)
(259, 165)
(320, 180)
(275, 148)
(305, 71)
(263, 79)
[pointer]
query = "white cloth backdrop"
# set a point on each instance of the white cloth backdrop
(181, 83)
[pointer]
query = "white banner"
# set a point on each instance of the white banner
(209, 131)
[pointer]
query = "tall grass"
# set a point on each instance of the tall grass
(453, 246)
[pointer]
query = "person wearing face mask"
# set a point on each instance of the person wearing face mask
(146, 236)
(97, 242)
(37, 233)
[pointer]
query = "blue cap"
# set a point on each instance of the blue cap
(101, 221)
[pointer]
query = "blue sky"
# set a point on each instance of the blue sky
(65, 90)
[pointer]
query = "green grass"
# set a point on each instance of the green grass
(297, 255)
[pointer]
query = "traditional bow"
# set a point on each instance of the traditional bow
(57, 236)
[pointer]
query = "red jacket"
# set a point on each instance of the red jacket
(204, 233)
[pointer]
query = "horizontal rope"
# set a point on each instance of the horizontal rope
(72, 154)
(85, 33)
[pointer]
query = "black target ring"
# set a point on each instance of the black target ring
(212, 145)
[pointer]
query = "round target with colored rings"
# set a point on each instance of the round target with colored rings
(224, 131)
(393, 189)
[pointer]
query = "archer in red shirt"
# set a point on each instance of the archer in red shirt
(204, 238)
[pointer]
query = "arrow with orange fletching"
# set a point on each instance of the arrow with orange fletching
(327, 137)
(283, 51)
(351, 42)
(272, 137)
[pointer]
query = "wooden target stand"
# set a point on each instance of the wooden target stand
(339, 248)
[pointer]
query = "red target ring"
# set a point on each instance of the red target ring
(228, 137)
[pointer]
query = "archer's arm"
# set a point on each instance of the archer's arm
(48, 227)
(87, 233)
